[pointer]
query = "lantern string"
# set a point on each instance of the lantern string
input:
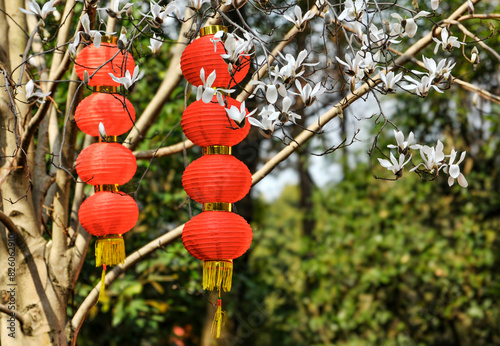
(102, 291)
(220, 316)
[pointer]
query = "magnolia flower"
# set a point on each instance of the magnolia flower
(286, 114)
(116, 12)
(474, 58)
(395, 165)
(421, 88)
(369, 62)
(272, 89)
(437, 72)
(352, 11)
(123, 38)
(30, 95)
(432, 157)
(72, 47)
(206, 92)
(155, 44)
(269, 117)
(390, 80)
(34, 9)
(435, 4)
(447, 41)
(402, 144)
(158, 15)
(94, 34)
(235, 48)
(376, 38)
(298, 20)
(289, 71)
(128, 80)
(102, 132)
(407, 26)
(355, 68)
(196, 4)
(239, 115)
(454, 170)
(308, 94)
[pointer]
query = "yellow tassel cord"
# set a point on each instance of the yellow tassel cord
(109, 250)
(102, 291)
(217, 274)
(219, 320)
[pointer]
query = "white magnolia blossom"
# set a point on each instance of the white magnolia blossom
(286, 114)
(377, 38)
(269, 117)
(272, 89)
(437, 71)
(72, 47)
(369, 62)
(394, 165)
(128, 80)
(403, 145)
(289, 71)
(354, 66)
(123, 36)
(116, 12)
(102, 132)
(447, 41)
(407, 26)
(435, 4)
(421, 88)
(206, 92)
(307, 93)
(30, 87)
(155, 44)
(235, 47)
(453, 170)
(352, 11)
(94, 34)
(197, 4)
(34, 8)
(433, 158)
(298, 19)
(158, 14)
(239, 115)
(390, 80)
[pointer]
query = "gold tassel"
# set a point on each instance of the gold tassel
(217, 274)
(102, 291)
(219, 320)
(109, 250)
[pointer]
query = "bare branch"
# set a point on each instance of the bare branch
(166, 151)
(17, 315)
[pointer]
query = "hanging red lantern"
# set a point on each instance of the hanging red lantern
(201, 53)
(217, 178)
(115, 112)
(107, 213)
(106, 163)
(217, 237)
(207, 124)
(91, 59)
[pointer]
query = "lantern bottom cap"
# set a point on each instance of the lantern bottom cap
(217, 274)
(109, 250)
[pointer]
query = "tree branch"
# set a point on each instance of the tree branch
(161, 152)
(17, 315)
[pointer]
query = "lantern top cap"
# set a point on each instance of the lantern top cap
(109, 39)
(212, 29)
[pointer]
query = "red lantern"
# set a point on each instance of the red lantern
(115, 112)
(217, 236)
(207, 124)
(200, 53)
(91, 58)
(107, 213)
(217, 179)
(106, 163)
